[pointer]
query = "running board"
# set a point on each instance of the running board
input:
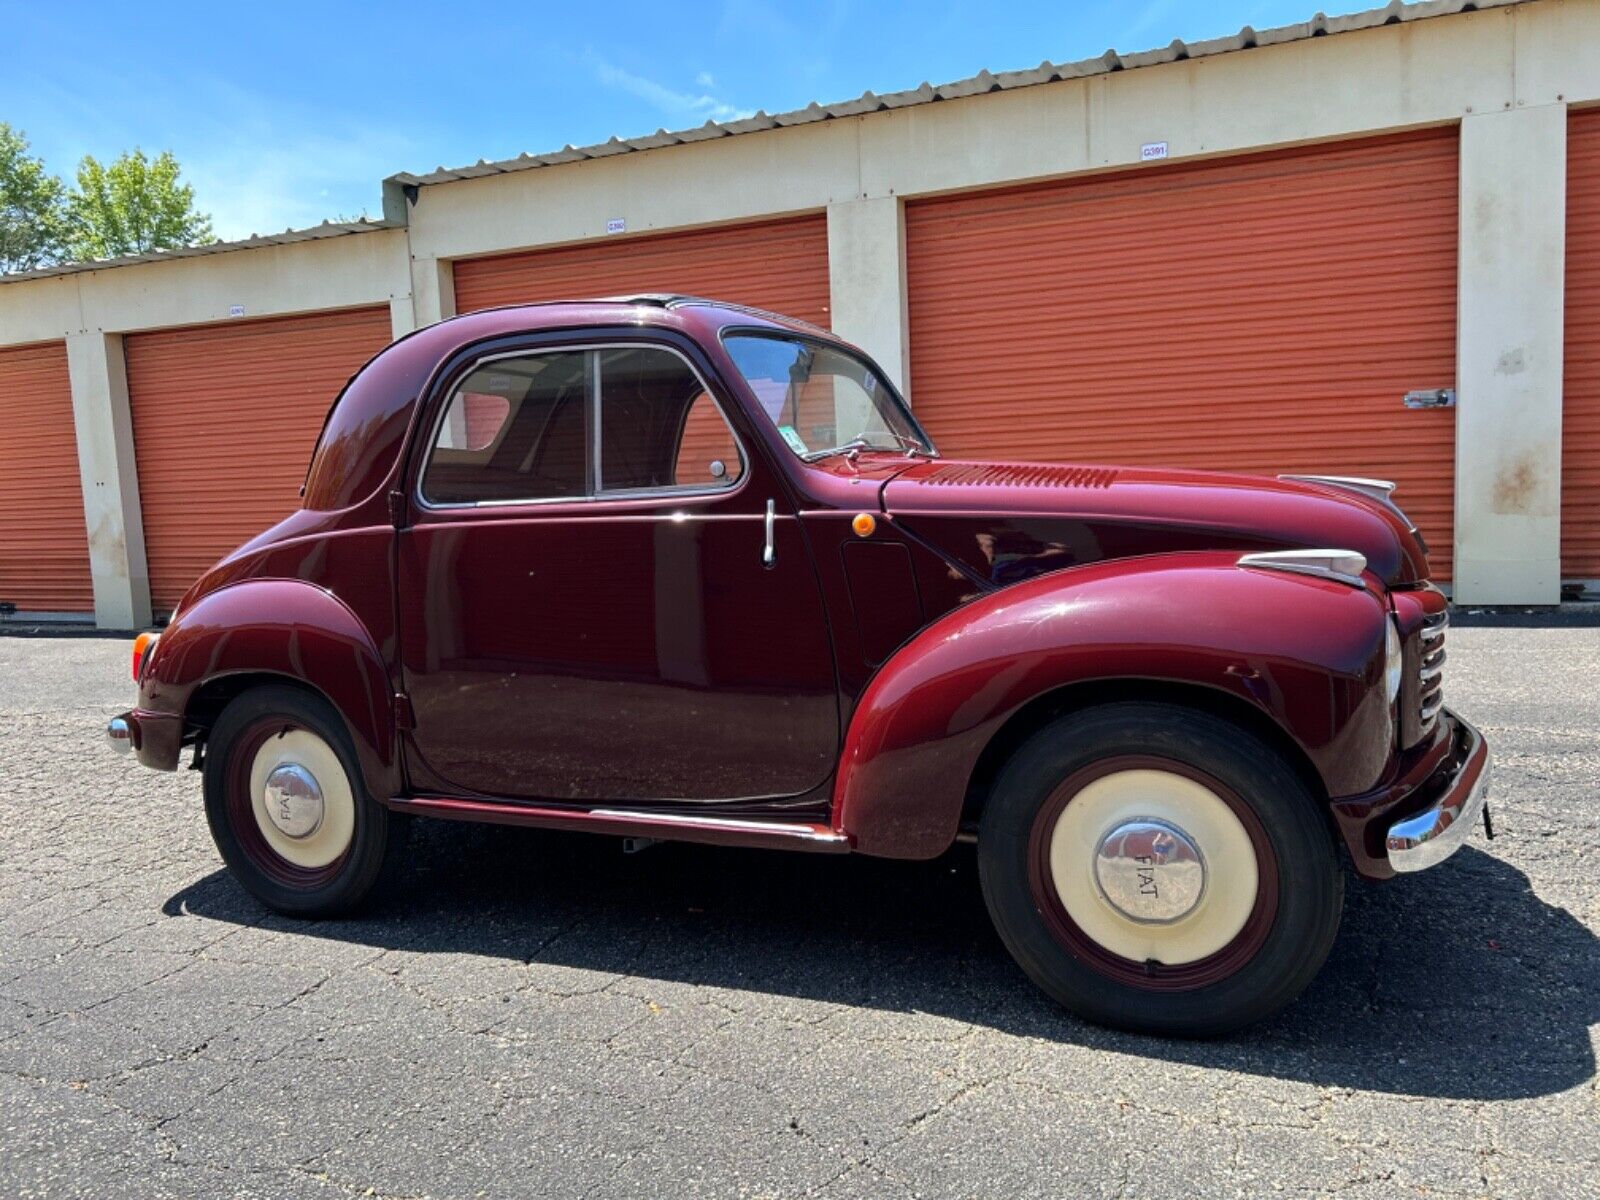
(685, 827)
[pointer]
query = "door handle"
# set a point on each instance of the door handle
(769, 552)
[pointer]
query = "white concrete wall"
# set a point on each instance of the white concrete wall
(1503, 74)
(1509, 355)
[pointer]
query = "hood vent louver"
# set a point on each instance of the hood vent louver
(1019, 475)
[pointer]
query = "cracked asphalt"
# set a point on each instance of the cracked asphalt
(540, 1015)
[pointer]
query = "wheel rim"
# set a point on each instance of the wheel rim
(1154, 873)
(290, 802)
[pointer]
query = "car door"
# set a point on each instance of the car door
(603, 596)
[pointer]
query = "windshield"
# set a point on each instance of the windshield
(822, 399)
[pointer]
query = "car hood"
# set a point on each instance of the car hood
(1009, 521)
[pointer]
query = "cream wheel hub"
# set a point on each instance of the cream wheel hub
(1153, 866)
(301, 799)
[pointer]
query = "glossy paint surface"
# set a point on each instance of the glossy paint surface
(1304, 652)
(1008, 522)
(531, 663)
(285, 628)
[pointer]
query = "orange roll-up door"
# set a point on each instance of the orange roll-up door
(44, 546)
(224, 420)
(781, 266)
(1265, 313)
(1580, 412)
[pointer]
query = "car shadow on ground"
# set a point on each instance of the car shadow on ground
(1459, 982)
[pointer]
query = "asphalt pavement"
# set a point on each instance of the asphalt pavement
(533, 1014)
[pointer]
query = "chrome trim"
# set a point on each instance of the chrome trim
(804, 833)
(1150, 871)
(1431, 706)
(1345, 566)
(119, 734)
(1433, 835)
(292, 800)
(596, 493)
(1429, 674)
(769, 552)
(1381, 490)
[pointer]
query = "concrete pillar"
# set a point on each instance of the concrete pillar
(1509, 356)
(110, 480)
(402, 317)
(433, 290)
(867, 281)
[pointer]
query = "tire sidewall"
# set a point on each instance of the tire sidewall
(370, 841)
(1309, 878)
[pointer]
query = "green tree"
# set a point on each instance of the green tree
(32, 208)
(133, 206)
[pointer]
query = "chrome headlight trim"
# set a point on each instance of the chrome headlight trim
(1344, 566)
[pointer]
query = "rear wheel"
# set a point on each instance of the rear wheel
(287, 807)
(1159, 869)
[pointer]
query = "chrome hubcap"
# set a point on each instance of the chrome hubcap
(1150, 871)
(293, 801)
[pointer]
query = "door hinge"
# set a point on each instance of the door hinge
(397, 508)
(404, 718)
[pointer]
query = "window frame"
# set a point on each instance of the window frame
(593, 491)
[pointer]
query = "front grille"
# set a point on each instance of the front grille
(1430, 670)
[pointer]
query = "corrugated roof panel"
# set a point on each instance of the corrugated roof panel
(986, 81)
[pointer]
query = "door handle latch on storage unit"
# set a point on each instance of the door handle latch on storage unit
(1444, 397)
(769, 552)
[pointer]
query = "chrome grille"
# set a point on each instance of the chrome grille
(1430, 669)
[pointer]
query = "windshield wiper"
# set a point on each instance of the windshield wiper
(855, 445)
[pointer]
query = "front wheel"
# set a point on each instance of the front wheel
(287, 807)
(1158, 869)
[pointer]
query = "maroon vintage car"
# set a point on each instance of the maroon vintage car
(667, 568)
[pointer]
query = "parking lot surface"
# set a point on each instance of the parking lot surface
(541, 1015)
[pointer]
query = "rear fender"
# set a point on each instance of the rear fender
(1306, 652)
(290, 629)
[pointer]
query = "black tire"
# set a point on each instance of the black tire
(1295, 852)
(373, 848)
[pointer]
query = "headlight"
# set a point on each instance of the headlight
(1393, 663)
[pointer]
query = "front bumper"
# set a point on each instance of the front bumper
(1438, 831)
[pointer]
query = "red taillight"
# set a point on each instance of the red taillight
(141, 647)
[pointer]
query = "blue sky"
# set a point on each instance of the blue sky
(285, 114)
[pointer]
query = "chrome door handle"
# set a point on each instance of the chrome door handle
(769, 553)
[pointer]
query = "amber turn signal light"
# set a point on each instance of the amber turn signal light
(864, 524)
(141, 646)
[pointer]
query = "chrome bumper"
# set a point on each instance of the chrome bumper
(1436, 833)
(119, 734)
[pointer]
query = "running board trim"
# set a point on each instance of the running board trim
(688, 827)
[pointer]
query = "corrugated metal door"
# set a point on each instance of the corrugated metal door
(224, 419)
(1262, 314)
(1580, 413)
(44, 548)
(777, 265)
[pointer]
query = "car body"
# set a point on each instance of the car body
(517, 593)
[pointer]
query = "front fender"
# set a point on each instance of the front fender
(1305, 652)
(287, 628)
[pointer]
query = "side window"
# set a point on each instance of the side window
(515, 429)
(658, 427)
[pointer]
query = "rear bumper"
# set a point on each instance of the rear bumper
(1439, 830)
(155, 738)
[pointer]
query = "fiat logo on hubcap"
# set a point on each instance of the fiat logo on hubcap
(1150, 871)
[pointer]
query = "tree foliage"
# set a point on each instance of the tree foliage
(133, 206)
(32, 207)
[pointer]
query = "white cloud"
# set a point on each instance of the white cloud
(681, 106)
(704, 79)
